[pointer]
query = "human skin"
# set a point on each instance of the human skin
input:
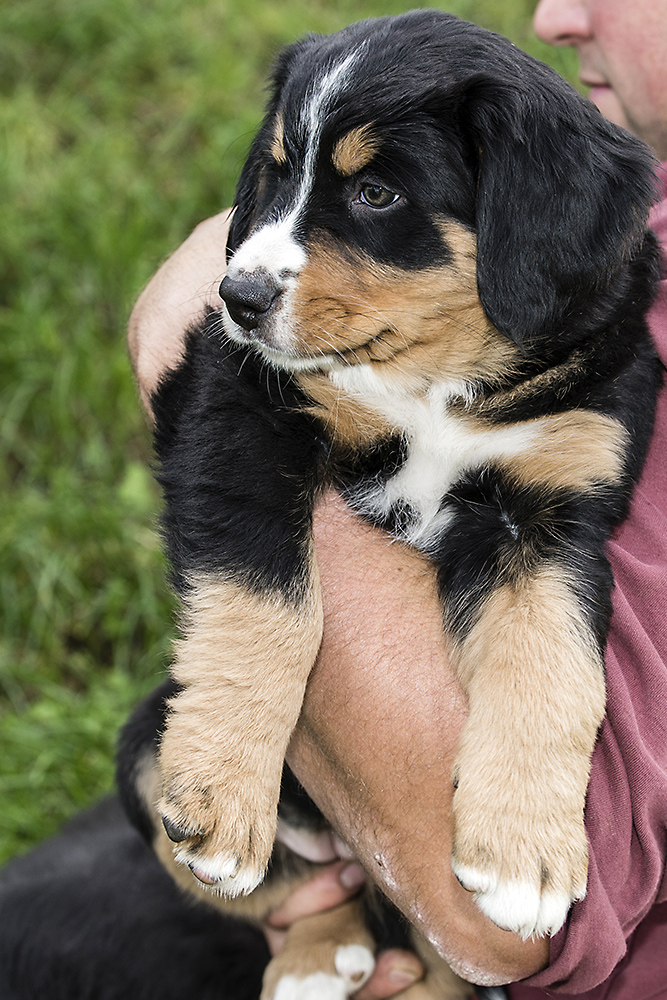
(384, 710)
(622, 47)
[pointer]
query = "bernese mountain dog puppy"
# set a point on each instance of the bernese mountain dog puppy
(437, 274)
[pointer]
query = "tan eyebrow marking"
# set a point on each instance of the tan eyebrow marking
(277, 147)
(355, 150)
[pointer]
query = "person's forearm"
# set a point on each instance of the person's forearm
(174, 298)
(378, 736)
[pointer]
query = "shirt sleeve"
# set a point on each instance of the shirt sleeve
(626, 810)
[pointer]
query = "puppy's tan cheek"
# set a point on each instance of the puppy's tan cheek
(431, 320)
(337, 306)
(343, 303)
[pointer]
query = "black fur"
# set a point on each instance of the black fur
(501, 144)
(92, 915)
(255, 520)
(474, 131)
(141, 734)
(502, 533)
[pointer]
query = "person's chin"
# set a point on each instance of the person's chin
(605, 99)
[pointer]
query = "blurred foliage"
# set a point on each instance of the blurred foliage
(122, 124)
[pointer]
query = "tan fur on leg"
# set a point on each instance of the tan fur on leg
(312, 943)
(535, 683)
(244, 663)
(256, 905)
(294, 870)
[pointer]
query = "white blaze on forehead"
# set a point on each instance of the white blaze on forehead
(273, 246)
(323, 89)
(313, 116)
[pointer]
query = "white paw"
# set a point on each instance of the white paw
(223, 874)
(319, 986)
(354, 964)
(515, 905)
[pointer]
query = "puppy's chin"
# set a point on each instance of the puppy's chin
(295, 362)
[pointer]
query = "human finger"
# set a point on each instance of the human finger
(395, 970)
(330, 887)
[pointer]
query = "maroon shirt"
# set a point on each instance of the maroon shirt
(614, 944)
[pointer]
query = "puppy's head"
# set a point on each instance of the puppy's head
(419, 184)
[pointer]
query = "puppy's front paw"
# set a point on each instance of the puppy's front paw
(353, 965)
(523, 854)
(218, 806)
(327, 956)
(223, 837)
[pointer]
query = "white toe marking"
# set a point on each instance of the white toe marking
(516, 905)
(223, 872)
(474, 879)
(354, 963)
(319, 986)
(512, 905)
(554, 908)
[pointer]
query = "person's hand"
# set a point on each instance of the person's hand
(395, 970)
(174, 298)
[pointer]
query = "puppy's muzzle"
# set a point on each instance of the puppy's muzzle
(250, 297)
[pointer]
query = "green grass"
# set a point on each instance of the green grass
(122, 124)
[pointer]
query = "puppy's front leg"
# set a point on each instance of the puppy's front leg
(535, 682)
(238, 467)
(243, 664)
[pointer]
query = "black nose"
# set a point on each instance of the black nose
(249, 298)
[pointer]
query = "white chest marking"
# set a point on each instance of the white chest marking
(441, 447)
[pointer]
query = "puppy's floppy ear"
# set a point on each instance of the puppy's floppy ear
(562, 198)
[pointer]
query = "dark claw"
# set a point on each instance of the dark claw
(177, 833)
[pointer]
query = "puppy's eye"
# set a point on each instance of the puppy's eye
(376, 196)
